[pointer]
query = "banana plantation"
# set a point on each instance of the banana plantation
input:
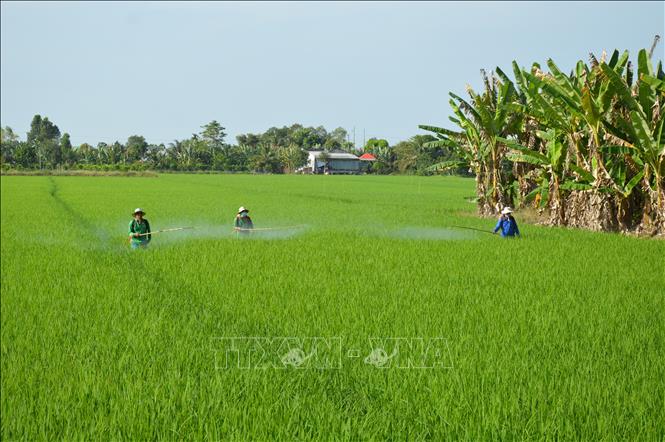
(586, 148)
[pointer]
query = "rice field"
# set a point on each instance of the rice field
(558, 335)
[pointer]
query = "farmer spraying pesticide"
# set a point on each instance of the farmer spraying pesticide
(139, 230)
(507, 224)
(243, 223)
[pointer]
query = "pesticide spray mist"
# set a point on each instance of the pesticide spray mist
(433, 233)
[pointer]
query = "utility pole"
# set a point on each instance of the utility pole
(364, 140)
(354, 137)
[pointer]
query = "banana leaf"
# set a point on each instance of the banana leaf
(613, 59)
(554, 90)
(531, 195)
(468, 106)
(525, 158)
(533, 155)
(618, 149)
(591, 111)
(586, 175)
(644, 66)
(643, 134)
(621, 89)
(439, 130)
(628, 188)
(544, 193)
(441, 143)
(621, 63)
(654, 82)
(562, 79)
(573, 185)
(446, 165)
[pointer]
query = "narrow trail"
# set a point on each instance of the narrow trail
(81, 220)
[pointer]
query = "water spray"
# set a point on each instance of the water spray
(260, 229)
(471, 228)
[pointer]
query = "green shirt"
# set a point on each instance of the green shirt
(244, 222)
(142, 226)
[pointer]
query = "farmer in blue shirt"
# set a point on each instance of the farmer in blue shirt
(507, 224)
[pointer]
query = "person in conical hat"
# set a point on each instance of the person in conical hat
(243, 222)
(507, 224)
(139, 230)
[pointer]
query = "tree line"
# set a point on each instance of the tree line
(586, 148)
(277, 150)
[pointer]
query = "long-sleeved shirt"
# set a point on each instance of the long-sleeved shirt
(244, 222)
(142, 226)
(508, 226)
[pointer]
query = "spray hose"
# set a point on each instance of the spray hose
(242, 229)
(164, 230)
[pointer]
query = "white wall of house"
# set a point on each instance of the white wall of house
(337, 161)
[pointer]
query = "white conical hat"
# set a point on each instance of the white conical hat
(138, 210)
(506, 211)
(242, 209)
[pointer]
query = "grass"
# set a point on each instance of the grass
(559, 335)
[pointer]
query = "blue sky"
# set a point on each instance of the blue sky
(103, 71)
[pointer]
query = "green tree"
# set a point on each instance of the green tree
(86, 154)
(385, 159)
(66, 149)
(136, 148)
(292, 157)
(266, 160)
(202, 152)
(307, 138)
(213, 134)
(181, 154)
(337, 139)
(25, 155)
(45, 138)
(9, 141)
(238, 157)
(416, 156)
(373, 144)
(248, 140)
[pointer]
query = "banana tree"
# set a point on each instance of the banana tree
(469, 149)
(487, 116)
(588, 145)
(580, 105)
(639, 129)
(552, 179)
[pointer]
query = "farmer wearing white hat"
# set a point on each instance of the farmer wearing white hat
(243, 223)
(139, 230)
(507, 224)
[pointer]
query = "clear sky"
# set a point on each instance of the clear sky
(103, 71)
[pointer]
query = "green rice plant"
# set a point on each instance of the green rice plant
(558, 335)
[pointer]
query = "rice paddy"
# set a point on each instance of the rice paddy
(558, 335)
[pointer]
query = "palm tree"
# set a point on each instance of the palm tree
(266, 160)
(292, 157)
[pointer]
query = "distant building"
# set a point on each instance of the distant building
(335, 162)
(366, 161)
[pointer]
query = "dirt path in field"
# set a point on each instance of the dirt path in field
(54, 191)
